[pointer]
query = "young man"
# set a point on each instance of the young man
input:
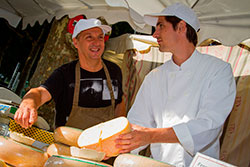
(181, 106)
(86, 91)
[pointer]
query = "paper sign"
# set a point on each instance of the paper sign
(201, 160)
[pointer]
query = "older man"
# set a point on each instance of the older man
(86, 91)
(181, 106)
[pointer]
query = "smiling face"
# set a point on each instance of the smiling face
(166, 35)
(90, 44)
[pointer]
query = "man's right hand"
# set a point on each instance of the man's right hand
(26, 115)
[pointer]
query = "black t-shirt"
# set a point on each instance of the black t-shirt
(94, 92)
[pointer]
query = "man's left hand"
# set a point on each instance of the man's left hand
(139, 136)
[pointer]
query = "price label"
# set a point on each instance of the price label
(201, 160)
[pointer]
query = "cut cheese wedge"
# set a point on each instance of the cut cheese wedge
(18, 154)
(66, 161)
(19, 137)
(102, 137)
(131, 160)
(61, 149)
(87, 153)
(58, 149)
(67, 135)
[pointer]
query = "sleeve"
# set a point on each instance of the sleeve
(140, 112)
(215, 105)
(54, 84)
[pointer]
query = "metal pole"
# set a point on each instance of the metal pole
(14, 85)
(13, 75)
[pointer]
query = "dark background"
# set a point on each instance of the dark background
(16, 46)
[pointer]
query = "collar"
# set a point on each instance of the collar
(188, 64)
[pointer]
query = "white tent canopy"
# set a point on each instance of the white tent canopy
(225, 20)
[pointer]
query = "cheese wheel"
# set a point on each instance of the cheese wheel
(21, 138)
(20, 155)
(66, 161)
(42, 123)
(67, 135)
(101, 137)
(131, 160)
(61, 149)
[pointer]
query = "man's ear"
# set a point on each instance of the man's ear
(75, 41)
(181, 27)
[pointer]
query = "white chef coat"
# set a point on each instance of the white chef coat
(194, 98)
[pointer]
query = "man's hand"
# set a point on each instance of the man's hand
(139, 136)
(26, 115)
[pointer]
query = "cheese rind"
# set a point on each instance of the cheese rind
(67, 135)
(102, 137)
(18, 154)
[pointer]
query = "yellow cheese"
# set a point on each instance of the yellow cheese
(58, 149)
(102, 137)
(67, 135)
(66, 161)
(87, 153)
(21, 138)
(18, 154)
(61, 149)
(131, 160)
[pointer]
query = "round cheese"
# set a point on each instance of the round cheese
(102, 137)
(18, 154)
(61, 149)
(67, 135)
(131, 160)
(66, 161)
(42, 123)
